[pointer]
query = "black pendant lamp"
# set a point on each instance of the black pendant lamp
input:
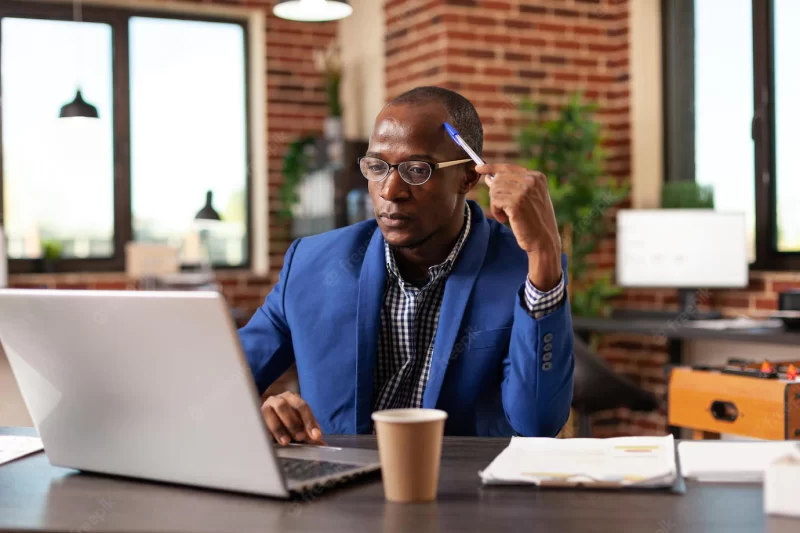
(78, 107)
(312, 10)
(208, 212)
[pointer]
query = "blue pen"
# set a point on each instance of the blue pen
(459, 141)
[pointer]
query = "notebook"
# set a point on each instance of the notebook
(636, 462)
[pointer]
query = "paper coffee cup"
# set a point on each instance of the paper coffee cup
(410, 448)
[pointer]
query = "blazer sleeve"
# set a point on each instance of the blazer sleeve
(267, 339)
(538, 370)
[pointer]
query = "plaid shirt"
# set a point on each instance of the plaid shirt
(409, 318)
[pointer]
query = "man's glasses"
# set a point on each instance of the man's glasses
(412, 172)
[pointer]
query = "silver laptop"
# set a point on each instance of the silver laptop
(154, 385)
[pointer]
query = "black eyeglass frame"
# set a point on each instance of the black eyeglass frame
(433, 166)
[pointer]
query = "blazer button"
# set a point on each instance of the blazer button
(547, 366)
(548, 347)
(547, 356)
(548, 337)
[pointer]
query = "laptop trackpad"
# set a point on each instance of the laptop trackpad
(328, 453)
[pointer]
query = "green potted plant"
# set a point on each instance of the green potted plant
(52, 251)
(567, 148)
(686, 195)
(296, 163)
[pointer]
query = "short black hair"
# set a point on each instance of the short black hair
(463, 114)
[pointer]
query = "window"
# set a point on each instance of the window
(171, 95)
(53, 168)
(787, 110)
(731, 80)
(725, 157)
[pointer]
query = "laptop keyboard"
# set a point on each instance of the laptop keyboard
(305, 469)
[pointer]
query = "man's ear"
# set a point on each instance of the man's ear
(470, 178)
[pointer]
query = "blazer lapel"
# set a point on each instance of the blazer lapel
(456, 297)
(371, 286)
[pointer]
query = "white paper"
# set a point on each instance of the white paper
(736, 462)
(622, 462)
(781, 487)
(13, 447)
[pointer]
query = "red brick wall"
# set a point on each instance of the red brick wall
(495, 52)
(244, 291)
(759, 298)
(415, 44)
(296, 105)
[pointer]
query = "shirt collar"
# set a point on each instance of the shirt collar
(443, 268)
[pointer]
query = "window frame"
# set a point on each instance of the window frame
(679, 118)
(118, 19)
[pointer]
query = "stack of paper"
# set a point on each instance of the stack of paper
(12, 447)
(618, 462)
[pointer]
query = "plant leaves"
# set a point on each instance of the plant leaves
(568, 149)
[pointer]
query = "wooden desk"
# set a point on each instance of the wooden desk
(678, 330)
(673, 333)
(36, 497)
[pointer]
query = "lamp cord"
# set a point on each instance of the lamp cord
(77, 17)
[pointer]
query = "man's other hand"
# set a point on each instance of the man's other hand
(288, 417)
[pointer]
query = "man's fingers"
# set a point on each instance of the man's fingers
(491, 169)
(288, 415)
(494, 204)
(303, 417)
(517, 179)
(275, 425)
(496, 168)
(498, 214)
(309, 421)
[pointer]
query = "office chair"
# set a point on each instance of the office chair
(598, 388)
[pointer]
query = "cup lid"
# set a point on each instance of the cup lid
(409, 416)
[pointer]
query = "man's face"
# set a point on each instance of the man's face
(409, 215)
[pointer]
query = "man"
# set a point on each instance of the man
(430, 304)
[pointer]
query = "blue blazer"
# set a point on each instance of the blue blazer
(489, 371)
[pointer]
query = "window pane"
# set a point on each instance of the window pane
(188, 131)
(57, 173)
(787, 111)
(724, 105)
